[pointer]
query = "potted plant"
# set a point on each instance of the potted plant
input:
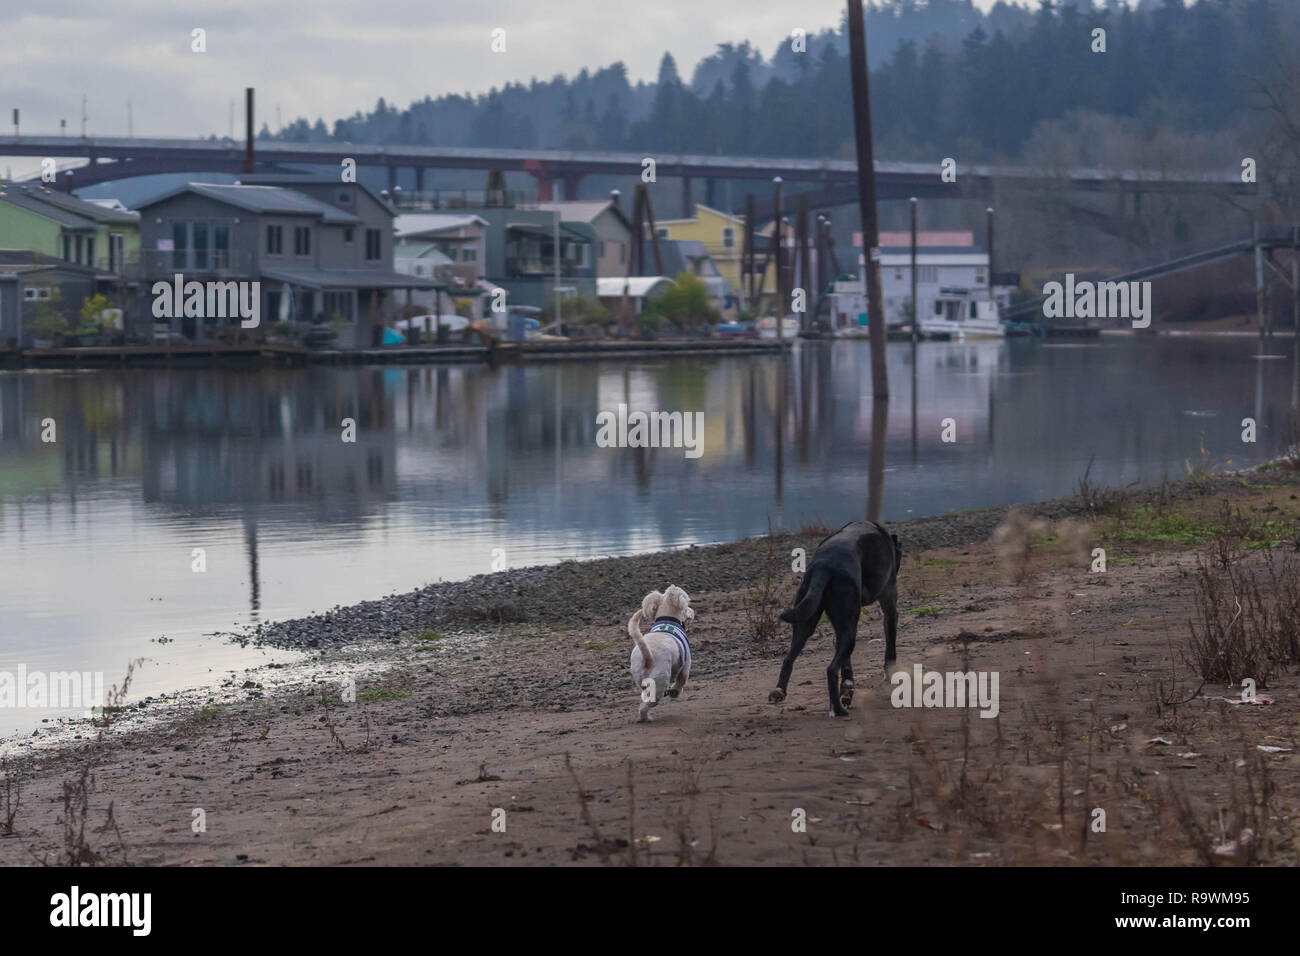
(49, 323)
(92, 322)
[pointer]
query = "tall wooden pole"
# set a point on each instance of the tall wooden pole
(1295, 331)
(250, 165)
(867, 198)
(1259, 279)
(747, 254)
(776, 249)
(915, 312)
(805, 277)
(989, 213)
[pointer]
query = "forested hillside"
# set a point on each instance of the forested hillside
(944, 74)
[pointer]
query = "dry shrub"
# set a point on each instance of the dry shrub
(760, 603)
(1247, 614)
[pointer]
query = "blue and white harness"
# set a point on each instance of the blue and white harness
(673, 627)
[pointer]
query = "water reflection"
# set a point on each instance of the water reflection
(449, 463)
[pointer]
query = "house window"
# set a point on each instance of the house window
(374, 245)
(180, 245)
(898, 275)
(200, 233)
(662, 232)
(929, 274)
(469, 254)
(979, 276)
(347, 236)
(728, 237)
(345, 198)
(622, 253)
(81, 247)
(67, 248)
(302, 240)
(115, 250)
(221, 246)
(337, 305)
(38, 293)
(274, 240)
(90, 250)
(938, 307)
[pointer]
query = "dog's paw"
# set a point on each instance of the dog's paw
(776, 697)
(846, 694)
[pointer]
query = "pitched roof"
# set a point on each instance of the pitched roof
(942, 238)
(695, 218)
(18, 261)
(304, 179)
(584, 210)
(63, 208)
(261, 199)
(417, 223)
(609, 287)
(23, 200)
(91, 210)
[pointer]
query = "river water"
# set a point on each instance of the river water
(246, 474)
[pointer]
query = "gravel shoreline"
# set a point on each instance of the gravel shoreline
(605, 591)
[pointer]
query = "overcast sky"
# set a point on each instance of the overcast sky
(330, 58)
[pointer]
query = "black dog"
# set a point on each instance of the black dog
(853, 568)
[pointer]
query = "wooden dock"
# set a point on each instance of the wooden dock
(280, 354)
(667, 348)
(108, 356)
(401, 355)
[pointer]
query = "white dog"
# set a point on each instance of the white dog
(661, 660)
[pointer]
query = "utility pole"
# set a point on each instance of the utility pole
(867, 203)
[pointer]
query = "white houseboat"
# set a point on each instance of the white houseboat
(951, 288)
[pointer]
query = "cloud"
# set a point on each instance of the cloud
(330, 58)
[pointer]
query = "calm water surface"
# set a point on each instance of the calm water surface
(97, 530)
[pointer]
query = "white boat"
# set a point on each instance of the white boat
(767, 327)
(956, 314)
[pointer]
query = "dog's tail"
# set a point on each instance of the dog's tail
(634, 632)
(806, 609)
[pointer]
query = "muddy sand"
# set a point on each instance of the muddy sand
(494, 719)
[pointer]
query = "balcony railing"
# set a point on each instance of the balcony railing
(462, 199)
(157, 264)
